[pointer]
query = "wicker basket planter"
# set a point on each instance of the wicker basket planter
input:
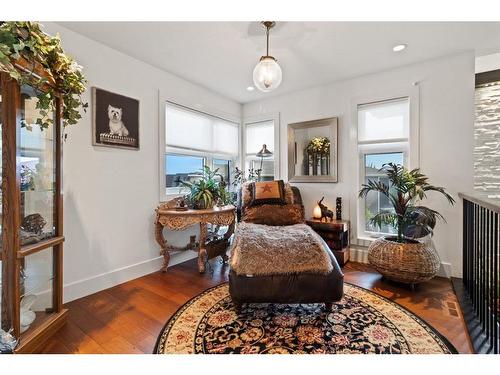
(409, 263)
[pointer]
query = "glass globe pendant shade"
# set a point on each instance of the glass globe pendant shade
(267, 74)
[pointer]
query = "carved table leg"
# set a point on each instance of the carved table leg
(227, 236)
(163, 244)
(229, 232)
(202, 252)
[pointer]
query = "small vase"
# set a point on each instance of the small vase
(324, 165)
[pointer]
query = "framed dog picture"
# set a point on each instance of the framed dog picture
(115, 120)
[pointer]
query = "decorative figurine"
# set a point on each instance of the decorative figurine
(33, 223)
(27, 316)
(7, 342)
(325, 212)
(338, 208)
(177, 204)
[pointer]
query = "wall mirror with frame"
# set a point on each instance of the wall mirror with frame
(312, 151)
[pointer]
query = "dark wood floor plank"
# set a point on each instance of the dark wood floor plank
(75, 339)
(128, 318)
(56, 346)
(120, 317)
(109, 339)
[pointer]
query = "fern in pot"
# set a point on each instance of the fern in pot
(402, 257)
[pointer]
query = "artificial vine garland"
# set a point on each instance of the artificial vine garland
(26, 39)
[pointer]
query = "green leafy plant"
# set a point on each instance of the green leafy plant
(318, 145)
(407, 187)
(240, 178)
(27, 40)
(209, 189)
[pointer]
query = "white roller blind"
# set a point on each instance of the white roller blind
(383, 121)
(225, 137)
(198, 131)
(258, 134)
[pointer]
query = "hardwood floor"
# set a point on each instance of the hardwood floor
(128, 317)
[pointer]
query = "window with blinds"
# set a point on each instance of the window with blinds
(197, 131)
(384, 121)
(383, 137)
(258, 134)
(193, 140)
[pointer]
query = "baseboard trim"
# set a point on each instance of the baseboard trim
(358, 254)
(94, 284)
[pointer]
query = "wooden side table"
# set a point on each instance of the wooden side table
(336, 235)
(180, 220)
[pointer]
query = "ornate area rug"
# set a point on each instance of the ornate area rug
(362, 322)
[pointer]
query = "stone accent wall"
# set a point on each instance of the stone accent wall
(487, 140)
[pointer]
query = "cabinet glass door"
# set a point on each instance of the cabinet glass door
(36, 165)
(36, 289)
(37, 168)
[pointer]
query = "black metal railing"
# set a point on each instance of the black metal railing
(480, 280)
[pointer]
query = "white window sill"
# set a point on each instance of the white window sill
(366, 240)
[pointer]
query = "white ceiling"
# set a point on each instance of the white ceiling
(221, 55)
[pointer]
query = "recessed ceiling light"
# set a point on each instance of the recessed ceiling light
(399, 47)
(250, 88)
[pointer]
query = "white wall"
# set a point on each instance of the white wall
(446, 88)
(110, 194)
(487, 63)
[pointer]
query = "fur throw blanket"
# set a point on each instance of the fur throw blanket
(260, 250)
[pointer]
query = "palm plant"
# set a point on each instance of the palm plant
(406, 188)
(207, 190)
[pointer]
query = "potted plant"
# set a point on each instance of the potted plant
(318, 155)
(208, 190)
(402, 257)
(239, 176)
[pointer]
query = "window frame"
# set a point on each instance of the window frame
(164, 193)
(247, 158)
(179, 190)
(410, 148)
(382, 148)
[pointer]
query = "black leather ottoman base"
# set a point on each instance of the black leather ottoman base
(295, 288)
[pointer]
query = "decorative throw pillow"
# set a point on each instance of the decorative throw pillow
(246, 194)
(272, 214)
(289, 197)
(269, 192)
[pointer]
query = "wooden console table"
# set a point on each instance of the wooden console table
(179, 220)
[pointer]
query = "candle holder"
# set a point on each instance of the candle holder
(338, 208)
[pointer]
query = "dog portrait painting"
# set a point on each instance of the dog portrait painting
(115, 120)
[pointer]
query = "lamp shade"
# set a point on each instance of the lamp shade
(317, 212)
(264, 152)
(267, 74)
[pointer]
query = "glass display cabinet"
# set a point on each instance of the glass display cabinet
(31, 211)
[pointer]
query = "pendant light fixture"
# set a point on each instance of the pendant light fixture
(267, 73)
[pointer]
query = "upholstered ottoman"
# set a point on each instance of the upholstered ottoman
(298, 288)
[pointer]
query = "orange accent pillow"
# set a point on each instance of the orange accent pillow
(268, 192)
